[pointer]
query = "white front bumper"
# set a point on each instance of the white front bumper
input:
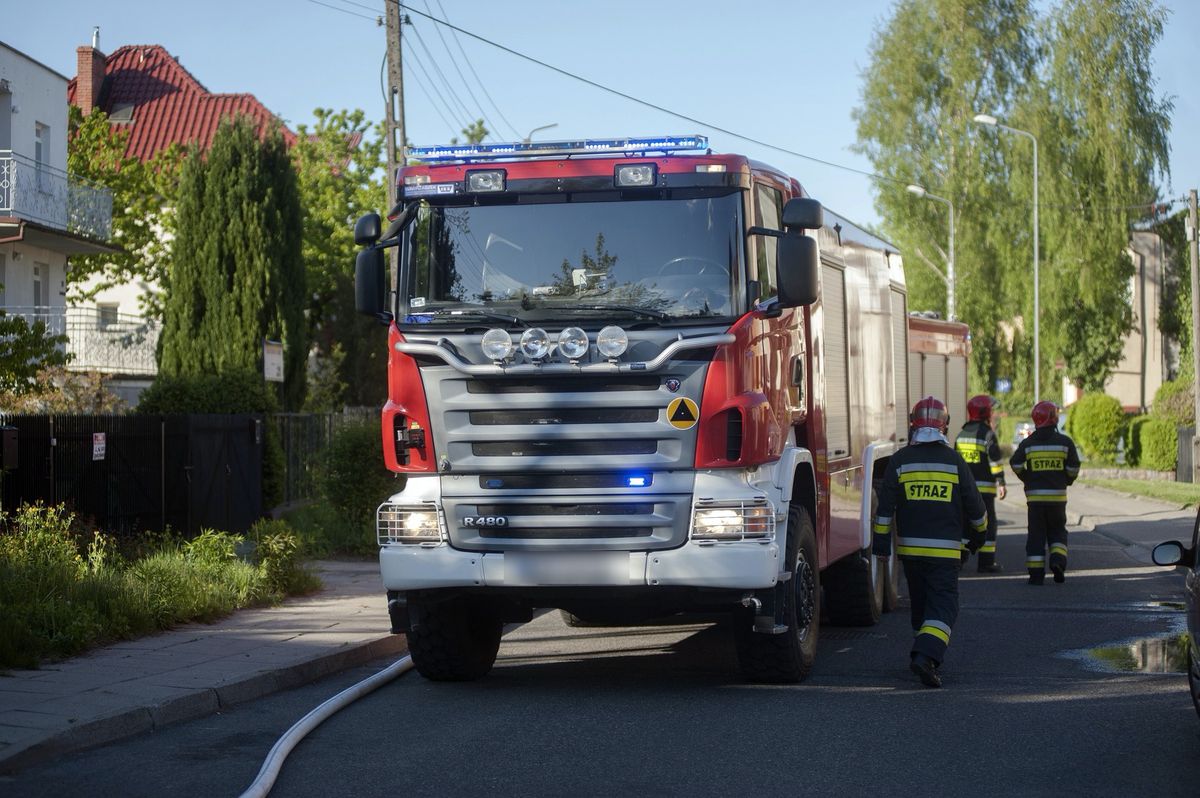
(742, 565)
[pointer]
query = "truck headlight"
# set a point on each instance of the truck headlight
(746, 520)
(396, 524)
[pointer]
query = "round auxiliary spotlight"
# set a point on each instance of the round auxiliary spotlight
(497, 344)
(535, 343)
(573, 343)
(612, 341)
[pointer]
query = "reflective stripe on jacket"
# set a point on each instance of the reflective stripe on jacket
(1047, 462)
(977, 446)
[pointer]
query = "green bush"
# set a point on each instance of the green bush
(351, 476)
(1156, 444)
(1095, 423)
(1174, 401)
(230, 392)
(57, 602)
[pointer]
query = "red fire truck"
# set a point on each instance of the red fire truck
(630, 378)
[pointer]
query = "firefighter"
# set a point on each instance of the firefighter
(977, 445)
(1047, 463)
(927, 489)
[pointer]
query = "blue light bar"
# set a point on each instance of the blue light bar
(531, 149)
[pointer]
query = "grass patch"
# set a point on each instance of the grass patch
(324, 532)
(63, 592)
(1182, 493)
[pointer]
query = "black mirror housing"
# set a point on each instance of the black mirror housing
(796, 270)
(1173, 553)
(367, 229)
(804, 213)
(369, 284)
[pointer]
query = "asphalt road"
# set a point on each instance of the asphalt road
(1026, 708)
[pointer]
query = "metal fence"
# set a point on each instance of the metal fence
(39, 192)
(98, 339)
(186, 472)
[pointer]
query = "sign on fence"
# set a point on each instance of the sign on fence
(98, 445)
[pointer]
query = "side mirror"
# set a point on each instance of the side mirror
(401, 216)
(796, 269)
(369, 272)
(804, 213)
(367, 229)
(1172, 553)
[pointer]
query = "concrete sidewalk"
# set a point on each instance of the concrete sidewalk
(195, 670)
(1088, 505)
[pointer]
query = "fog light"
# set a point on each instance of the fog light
(535, 343)
(636, 176)
(491, 180)
(612, 341)
(496, 344)
(573, 343)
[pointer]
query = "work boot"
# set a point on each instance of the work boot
(993, 568)
(926, 670)
(1060, 573)
(1036, 578)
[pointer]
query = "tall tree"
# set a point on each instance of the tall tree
(1079, 80)
(933, 64)
(25, 349)
(237, 275)
(1104, 147)
(141, 211)
(340, 173)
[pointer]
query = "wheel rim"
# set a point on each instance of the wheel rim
(806, 595)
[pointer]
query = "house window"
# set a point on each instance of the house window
(40, 270)
(107, 314)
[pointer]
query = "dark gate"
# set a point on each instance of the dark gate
(145, 472)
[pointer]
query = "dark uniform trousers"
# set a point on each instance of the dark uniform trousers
(1047, 527)
(933, 591)
(987, 553)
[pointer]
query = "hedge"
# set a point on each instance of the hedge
(1150, 443)
(1095, 423)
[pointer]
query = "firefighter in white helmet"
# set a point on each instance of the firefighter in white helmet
(927, 491)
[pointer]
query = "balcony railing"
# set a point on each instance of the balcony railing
(99, 340)
(41, 193)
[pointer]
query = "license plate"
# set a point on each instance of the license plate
(566, 568)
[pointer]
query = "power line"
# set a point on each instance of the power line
(433, 61)
(482, 86)
(432, 104)
(344, 10)
(449, 109)
(491, 125)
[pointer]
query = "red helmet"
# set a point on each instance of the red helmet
(929, 412)
(1045, 414)
(979, 408)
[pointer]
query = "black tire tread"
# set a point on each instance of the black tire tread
(454, 643)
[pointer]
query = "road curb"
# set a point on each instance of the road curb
(198, 703)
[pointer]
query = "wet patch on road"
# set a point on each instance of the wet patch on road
(1161, 654)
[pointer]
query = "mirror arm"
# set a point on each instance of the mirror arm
(764, 231)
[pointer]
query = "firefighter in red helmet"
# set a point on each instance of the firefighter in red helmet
(927, 490)
(1047, 463)
(977, 445)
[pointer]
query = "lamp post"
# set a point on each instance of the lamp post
(528, 138)
(921, 192)
(991, 121)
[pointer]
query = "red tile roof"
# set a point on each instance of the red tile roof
(168, 104)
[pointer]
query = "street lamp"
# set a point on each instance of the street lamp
(527, 139)
(991, 121)
(921, 192)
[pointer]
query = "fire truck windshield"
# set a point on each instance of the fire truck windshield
(663, 258)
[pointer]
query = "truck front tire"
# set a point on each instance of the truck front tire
(454, 641)
(787, 657)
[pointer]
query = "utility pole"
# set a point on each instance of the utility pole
(395, 104)
(1194, 251)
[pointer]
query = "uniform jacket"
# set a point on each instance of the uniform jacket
(928, 491)
(1047, 463)
(977, 446)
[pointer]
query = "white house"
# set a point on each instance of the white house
(46, 215)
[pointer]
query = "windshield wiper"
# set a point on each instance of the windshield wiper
(649, 313)
(477, 312)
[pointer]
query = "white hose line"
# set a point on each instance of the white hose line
(265, 779)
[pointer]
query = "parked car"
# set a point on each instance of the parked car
(1175, 553)
(1024, 430)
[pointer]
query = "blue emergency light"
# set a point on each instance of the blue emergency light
(529, 149)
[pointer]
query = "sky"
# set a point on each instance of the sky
(783, 72)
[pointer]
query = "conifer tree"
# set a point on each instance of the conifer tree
(237, 275)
